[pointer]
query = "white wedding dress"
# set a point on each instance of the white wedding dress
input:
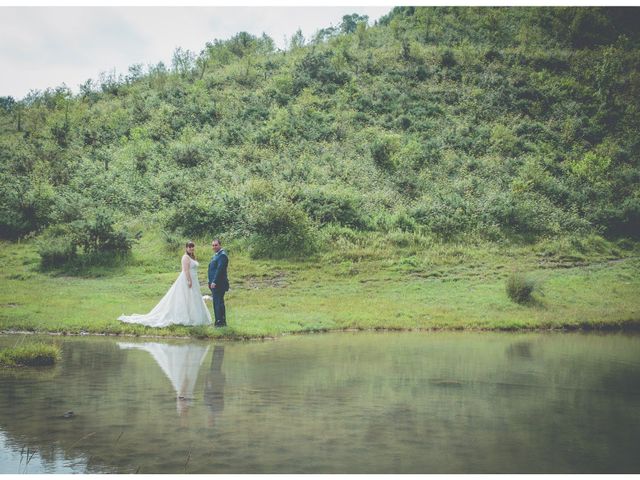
(181, 305)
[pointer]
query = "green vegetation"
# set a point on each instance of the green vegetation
(31, 355)
(378, 176)
(399, 281)
(520, 287)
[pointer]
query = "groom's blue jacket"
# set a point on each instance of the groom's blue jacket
(218, 270)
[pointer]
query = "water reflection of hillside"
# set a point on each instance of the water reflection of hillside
(361, 403)
(121, 404)
(33, 403)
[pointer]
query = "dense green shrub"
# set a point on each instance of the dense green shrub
(56, 249)
(97, 234)
(446, 216)
(13, 222)
(505, 141)
(282, 230)
(621, 219)
(590, 27)
(448, 59)
(335, 233)
(403, 222)
(189, 153)
(332, 205)
(232, 133)
(317, 68)
(173, 186)
(520, 287)
(382, 153)
(206, 217)
(25, 206)
(530, 215)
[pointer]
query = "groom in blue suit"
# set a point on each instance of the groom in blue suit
(219, 282)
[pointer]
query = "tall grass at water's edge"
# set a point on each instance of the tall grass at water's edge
(30, 355)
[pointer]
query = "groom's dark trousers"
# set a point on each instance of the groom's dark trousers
(218, 275)
(219, 310)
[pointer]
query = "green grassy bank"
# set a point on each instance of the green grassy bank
(31, 354)
(393, 281)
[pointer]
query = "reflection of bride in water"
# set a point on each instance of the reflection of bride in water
(180, 363)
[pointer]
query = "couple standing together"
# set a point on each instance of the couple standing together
(183, 303)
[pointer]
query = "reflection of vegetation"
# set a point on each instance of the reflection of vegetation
(347, 402)
(49, 428)
(521, 350)
(31, 355)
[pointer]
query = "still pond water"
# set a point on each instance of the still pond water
(332, 403)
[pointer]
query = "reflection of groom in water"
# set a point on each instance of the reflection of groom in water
(218, 282)
(214, 385)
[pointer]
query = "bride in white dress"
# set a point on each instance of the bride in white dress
(182, 304)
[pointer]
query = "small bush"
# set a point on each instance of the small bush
(100, 241)
(98, 234)
(202, 217)
(382, 153)
(282, 230)
(187, 154)
(335, 233)
(327, 205)
(446, 216)
(520, 288)
(172, 240)
(448, 59)
(56, 251)
(36, 354)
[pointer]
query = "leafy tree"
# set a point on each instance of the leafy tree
(316, 67)
(350, 22)
(297, 40)
(7, 104)
(183, 61)
(323, 35)
(242, 44)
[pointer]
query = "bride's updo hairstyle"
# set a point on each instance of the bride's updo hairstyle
(190, 244)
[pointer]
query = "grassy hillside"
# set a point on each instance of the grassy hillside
(492, 122)
(478, 130)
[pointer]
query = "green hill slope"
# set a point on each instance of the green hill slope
(454, 123)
